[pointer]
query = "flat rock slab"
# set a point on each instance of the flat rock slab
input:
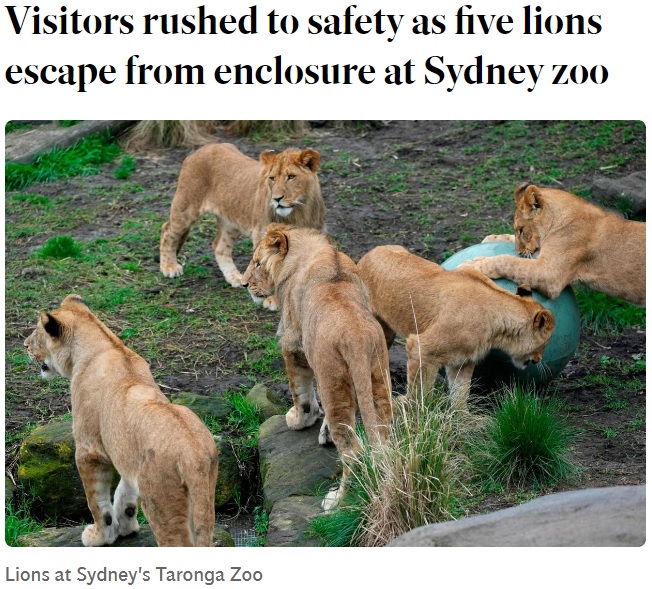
(629, 189)
(612, 516)
(293, 462)
(289, 519)
(72, 537)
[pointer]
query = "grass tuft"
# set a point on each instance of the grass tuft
(527, 443)
(605, 315)
(152, 134)
(18, 521)
(126, 168)
(59, 248)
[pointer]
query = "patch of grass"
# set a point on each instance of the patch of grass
(35, 200)
(605, 315)
(18, 521)
(413, 479)
(67, 124)
(60, 247)
(527, 442)
(126, 168)
(82, 159)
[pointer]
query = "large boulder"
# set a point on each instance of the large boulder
(204, 406)
(613, 516)
(628, 190)
(289, 519)
(292, 462)
(267, 401)
(49, 537)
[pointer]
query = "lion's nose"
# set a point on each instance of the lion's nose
(245, 284)
(278, 199)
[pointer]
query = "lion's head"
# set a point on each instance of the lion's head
(258, 278)
(50, 343)
(529, 219)
(291, 181)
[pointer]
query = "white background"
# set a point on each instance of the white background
(622, 46)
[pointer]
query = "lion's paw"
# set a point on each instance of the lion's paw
(270, 303)
(234, 278)
(325, 434)
(300, 420)
(502, 237)
(92, 536)
(171, 270)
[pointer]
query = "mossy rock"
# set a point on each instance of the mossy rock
(47, 469)
(267, 401)
(204, 406)
(229, 482)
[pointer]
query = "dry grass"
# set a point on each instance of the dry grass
(267, 128)
(153, 134)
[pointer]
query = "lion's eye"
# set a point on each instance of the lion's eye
(257, 265)
(291, 177)
(271, 178)
(520, 232)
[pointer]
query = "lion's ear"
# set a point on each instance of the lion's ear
(268, 156)
(528, 197)
(524, 290)
(51, 325)
(544, 321)
(74, 299)
(310, 159)
(277, 241)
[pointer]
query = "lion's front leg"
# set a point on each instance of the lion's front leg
(96, 476)
(306, 410)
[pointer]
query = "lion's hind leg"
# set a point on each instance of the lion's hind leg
(96, 477)
(173, 235)
(125, 507)
(168, 514)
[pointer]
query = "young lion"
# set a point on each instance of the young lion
(245, 195)
(163, 452)
(576, 242)
(450, 318)
(328, 334)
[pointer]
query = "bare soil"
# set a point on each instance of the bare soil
(404, 182)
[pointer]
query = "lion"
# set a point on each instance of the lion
(166, 457)
(328, 335)
(450, 319)
(245, 195)
(576, 242)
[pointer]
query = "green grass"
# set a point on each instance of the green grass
(18, 521)
(527, 443)
(605, 315)
(82, 159)
(126, 168)
(59, 248)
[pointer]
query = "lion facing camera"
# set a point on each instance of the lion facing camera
(166, 457)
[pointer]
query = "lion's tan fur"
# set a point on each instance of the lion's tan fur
(246, 195)
(450, 318)
(163, 452)
(328, 334)
(576, 242)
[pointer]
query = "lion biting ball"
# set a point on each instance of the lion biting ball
(165, 455)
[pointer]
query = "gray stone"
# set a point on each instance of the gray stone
(293, 462)
(289, 519)
(229, 481)
(10, 490)
(613, 516)
(59, 537)
(267, 401)
(629, 189)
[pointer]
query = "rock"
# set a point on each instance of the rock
(289, 519)
(203, 405)
(612, 516)
(10, 490)
(47, 467)
(267, 401)
(293, 462)
(629, 189)
(72, 537)
(229, 482)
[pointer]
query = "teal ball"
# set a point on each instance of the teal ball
(497, 369)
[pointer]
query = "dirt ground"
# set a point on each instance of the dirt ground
(431, 186)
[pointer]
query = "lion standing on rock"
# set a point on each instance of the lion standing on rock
(245, 195)
(165, 455)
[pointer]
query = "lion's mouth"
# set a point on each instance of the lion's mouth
(283, 210)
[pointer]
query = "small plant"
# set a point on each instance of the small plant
(527, 443)
(18, 521)
(60, 247)
(605, 315)
(126, 168)
(414, 479)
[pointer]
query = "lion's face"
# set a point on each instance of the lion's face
(258, 280)
(290, 176)
(527, 237)
(42, 348)
(529, 219)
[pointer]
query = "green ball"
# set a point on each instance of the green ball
(497, 369)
